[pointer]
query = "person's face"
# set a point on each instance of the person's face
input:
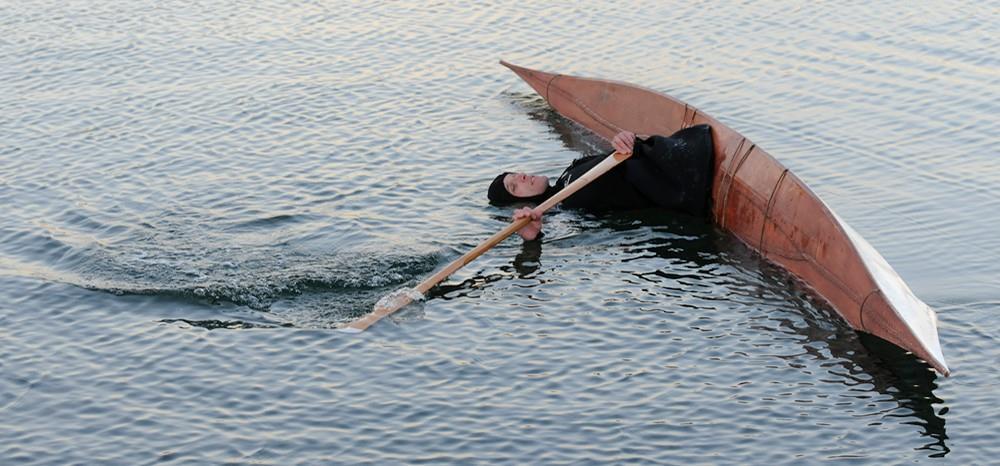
(523, 185)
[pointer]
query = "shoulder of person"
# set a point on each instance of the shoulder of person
(585, 159)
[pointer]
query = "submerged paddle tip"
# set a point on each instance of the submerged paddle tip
(349, 329)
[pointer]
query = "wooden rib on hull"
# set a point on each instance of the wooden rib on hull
(766, 206)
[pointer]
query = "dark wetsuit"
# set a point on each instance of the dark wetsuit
(670, 172)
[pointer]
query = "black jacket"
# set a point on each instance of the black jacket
(670, 172)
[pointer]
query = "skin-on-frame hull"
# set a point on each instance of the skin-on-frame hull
(766, 206)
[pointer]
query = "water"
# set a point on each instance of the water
(196, 195)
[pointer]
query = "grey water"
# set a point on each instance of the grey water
(195, 195)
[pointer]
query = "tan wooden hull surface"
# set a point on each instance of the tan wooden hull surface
(766, 206)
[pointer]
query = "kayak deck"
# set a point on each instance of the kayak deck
(765, 205)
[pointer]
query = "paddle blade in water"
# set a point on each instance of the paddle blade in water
(389, 304)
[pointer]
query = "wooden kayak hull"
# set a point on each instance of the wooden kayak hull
(765, 205)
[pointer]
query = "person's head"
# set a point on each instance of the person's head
(508, 188)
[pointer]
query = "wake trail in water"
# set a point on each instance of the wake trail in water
(296, 287)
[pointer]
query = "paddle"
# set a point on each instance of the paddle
(388, 306)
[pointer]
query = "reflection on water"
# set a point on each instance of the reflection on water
(572, 137)
(528, 260)
(911, 383)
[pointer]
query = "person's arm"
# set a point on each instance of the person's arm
(532, 229)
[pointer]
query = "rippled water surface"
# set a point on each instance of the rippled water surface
(195, 195)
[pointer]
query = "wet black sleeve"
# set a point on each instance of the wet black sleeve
(675, 172)
(609, 192)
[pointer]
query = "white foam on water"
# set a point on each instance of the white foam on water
(399, 298)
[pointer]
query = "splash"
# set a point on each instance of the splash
(385, 307)
(398, 298)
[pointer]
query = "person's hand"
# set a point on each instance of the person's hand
(623, 141)
(531, 230)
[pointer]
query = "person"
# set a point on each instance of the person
(672, 172)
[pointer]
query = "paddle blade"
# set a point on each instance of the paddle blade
(389, 304)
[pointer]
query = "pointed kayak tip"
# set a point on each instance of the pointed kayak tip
(538, 80)
(519, 70)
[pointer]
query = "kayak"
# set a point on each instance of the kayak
(762, 203)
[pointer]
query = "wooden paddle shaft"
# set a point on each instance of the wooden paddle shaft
(379, 312)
